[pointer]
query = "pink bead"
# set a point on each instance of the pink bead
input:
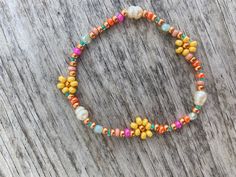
(189, 56)
(71, 68)
(77, 51)
(117, 132)
(127, 133)
(202, 83)
(178, 124)
(95, 31)
(120, 17)
(175, 33)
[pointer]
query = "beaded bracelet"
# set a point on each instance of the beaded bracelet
(141, 126)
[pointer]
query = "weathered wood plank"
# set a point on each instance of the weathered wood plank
(131, 70)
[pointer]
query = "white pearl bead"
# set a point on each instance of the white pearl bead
(192, 116)
(135, 12)
(81, 113)
(200, 98)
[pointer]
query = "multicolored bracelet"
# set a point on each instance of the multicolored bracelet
(140, 127)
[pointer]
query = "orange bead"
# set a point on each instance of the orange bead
(161, 21)
(73, 55)
(200, 75)
(149, 15)
(200, 87)
(195, 110)
(72, 73)
(106, 24)
(110, 22)
(173, 126)
(92, 35)
(196, 63)
(114, 18)
(171, 30)
(80, 47)
(73, 63)
(192, 60)
(179, 34)
(75, 105)
(122, 133)
(182, 121)
(161, 129)
(104, 131)
(186, 119)
(197, 68)
(95, 31)
(100, 30)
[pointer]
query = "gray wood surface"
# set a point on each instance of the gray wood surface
(131, 70)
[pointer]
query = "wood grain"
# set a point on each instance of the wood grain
(130, 70)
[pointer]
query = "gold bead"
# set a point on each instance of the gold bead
(133, 125)
(139, 120)
(186, 39)
(145, 121)
(179, 50)
(143, 135)
(148, 126)
(60, 85)
(65, 89)
(179, 43)
(72, 90)
(192, 49)
(104, 131)
(185, 52)
(72, 73)
(74, 83)
(62, 79)
(137, 132)
(70, 79)
(193, 44)
(149, 133)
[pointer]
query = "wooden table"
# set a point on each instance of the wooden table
(131, 70)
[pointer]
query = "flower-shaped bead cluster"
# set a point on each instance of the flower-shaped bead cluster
(142, 128)
(185, 46)
(67, 85)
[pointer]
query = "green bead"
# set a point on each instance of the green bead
(157, 19)
(169, 129)
(67, 94)
(202, 79)
(152, 127)
(103, 27)
(72, 59)
(183, 36)
(108, 132)
(198, 107)
(89, 124)
(82, 43)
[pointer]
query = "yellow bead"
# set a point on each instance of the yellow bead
(62, 79)
(65, 89)
(179, 50)
(185, 52)
(72, 90)
(139, 120)
(149, 133)
(71, 79)
(143, 135)
(148, 126)
(193, 44)
(186, 39)
(192, 49)
(74, 83)
(137, 132)
(60, 85)
(145, 121)
(133, 125)
(179, 43)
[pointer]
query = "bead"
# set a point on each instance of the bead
(193, 44)
(134, 125)
(124, 12)
(161, 129)
(192, 116)
(200, 87)
(145, 121)
(112, 132)
(181, 120)
(196, 63)
(148, 126)
(197, 68)
(120, 17)
(186, 119)
(171, 29)
(104, 131)
(179, 43)
(114, 18)
(185, 52)
(110, 22)
(71, 68)
(62, 79)
(178, 124)
(81, 113)
(71, 79)
(127, 133)
(200, 98)
(161, 21)
(135, 12)
(139, 120)
(192, 49)
(60, 85)
(149, 15)
(93, 125)
(179, 50)
(95, 31)
(74, 83)
(189, 56)
(165, 27)
(72, 73)
(86, 121)
(98, 129)
(137, 132)
(200, 83)
(186, 39)
(122, 134)
(200, 75)
(175, 33)
(143, 135)
(72, 90)
(77, 51)
(173, 126)
(195, 110)
(117, 132)
(65, 89)
(86, 39)
(92, 35)
(149, 133)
